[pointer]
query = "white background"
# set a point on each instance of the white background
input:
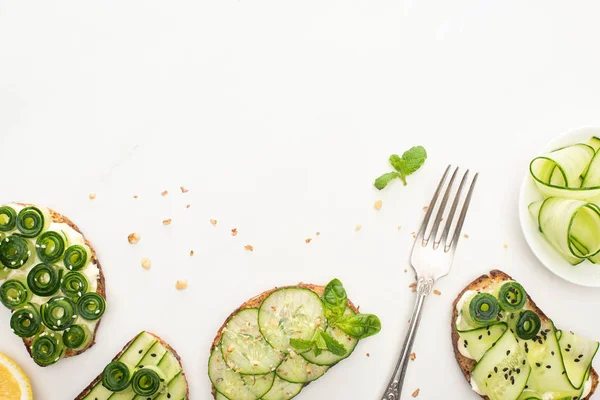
(277, 116)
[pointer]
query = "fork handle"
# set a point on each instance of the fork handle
(394, 389)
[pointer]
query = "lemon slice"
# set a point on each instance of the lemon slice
(14, 384)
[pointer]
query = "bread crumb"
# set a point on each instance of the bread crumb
(133, 237)
(167, 221)
(187, 206)
(413, 356)
(234, 232)
(308, 240)
(146, 263)
(191, 253)
(357, 227)
(183, 190)
(505, 246)
(437, 292)
(378, 205)
(413, 287)
(181, 285)
(399, 227)
(164, 193)
(416, 392)
(368, 355)
(92, 196)
(213, 222)
(405, 270)
(425, 208)
(414, 235)
(318, 233)
(466, 236)
(249, 247)
(135, 196)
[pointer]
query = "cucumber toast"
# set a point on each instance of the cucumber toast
(51, 281)
(508, 349)
(281, 340)
(146, 368)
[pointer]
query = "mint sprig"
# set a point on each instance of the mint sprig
(320, 342)
(411, 160)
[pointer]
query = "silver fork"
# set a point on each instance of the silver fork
(432, 261)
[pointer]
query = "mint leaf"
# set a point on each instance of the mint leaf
(333, 346)
(384, 179)
(319, 340)
(318, 352)
(359, 326)
(301, 344)
(335, 300)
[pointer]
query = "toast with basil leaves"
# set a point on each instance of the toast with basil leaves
(51, 280)
(278, 342)
(508, 349)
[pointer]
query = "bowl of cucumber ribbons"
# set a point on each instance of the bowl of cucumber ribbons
(559, 206)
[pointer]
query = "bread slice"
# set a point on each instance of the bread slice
(482, 283)
(165, 344)
(100, 286)
(256, 301)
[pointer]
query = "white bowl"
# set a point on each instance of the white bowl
(584, 274)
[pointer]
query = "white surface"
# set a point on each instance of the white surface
(278, 116)
(585, 273)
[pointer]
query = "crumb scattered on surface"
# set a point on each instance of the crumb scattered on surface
(414, 235)
(413, 356)
(318, 233)
(505, 246)
(146, 263)
(213, 222)
(181, 285)
(466, 236)
(167, 221)
(399, 227)
(413, 287)
(378, 205)
(357, 227)
(135, 196)
(92, 196)
(187, 205)
(409, 320)
(164, 193)
(425, 208)
(416, 392)
(437, 292)
(234, 232)
(191, 253)
(308, 240)
(249, 247)
(405, 270)
(133, 237)
(368, 355)
(183, 190)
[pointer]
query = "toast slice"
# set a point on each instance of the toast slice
(96, 381)
(482, 283)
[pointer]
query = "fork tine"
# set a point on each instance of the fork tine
(463, 214)
(432, 205)
(440, 213)
(455, 203)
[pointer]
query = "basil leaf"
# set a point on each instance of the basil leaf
(301, 344)
(359, 326)
(335, 300)
(333, 346)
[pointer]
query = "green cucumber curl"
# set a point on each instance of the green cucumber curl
(14, 251)
(512, 297)
(59, 313)
(44, 280)
(26, 321)
(8, 218)
(76, 257)
(483, 308)
(116, 376)
(91, 306)
(14, 294)
(31, 221)
(76, 337)
(47, 348)
(148, 381)
(74, 285)
(528, 325)
(50, 246)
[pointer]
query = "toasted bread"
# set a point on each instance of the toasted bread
(167, 346)
(481, 283)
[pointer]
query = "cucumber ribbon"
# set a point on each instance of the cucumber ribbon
(117, 376)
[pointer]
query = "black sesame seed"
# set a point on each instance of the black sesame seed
(577, 360)
(504, 369)
(153, 355)
(507, 352)
(495, 369)
(538, 364)
(548, 366)
(168, 395)
(480, 336)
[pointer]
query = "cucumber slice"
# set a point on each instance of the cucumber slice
(577, 353)
(219, 396)
(327, 358)
(502, 372)
(170, 365)
(297, 370)
(283, 390)
(233, 385)
(177, 389)
(290, 313)
(244, 348)
(478, 341)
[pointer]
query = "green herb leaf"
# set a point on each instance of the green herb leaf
(384, 179)
(333, 346)
(301, 344)
(318, 352)
(319, 340)
(359, 326)
(335, 300)
(411, 161)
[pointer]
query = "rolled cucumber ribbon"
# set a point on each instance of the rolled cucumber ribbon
(15, 251)
(148, 381)
(44, 280)
(74, 285)
(76, 337)
(117, 376)
(31, 221)
(26, 321)
(50, 246)
(58, 313)
(8, 218)
(481, 309)
(14, 293)
(91, 306)
(76, 257)
(512, 296)
(528, 325)
(47, 348)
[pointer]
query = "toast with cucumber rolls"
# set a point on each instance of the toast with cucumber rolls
(51, 281)
(278, 342)
(146, 368)
(508, 349)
